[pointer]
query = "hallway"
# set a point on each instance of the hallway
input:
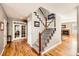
(21, 48)
(18, 48)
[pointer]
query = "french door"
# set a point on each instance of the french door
(19, 31)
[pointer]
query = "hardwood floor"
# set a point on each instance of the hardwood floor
(21, 48)
(18, 48)
(68, 47)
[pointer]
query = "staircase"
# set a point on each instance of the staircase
(46, 36)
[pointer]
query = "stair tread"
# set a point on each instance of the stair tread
(46, 36)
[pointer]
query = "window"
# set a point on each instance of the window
(23, 31)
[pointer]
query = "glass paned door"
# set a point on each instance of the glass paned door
(17, 31)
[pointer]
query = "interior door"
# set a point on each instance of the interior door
(17, 31)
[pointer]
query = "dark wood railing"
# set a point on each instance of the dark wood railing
(46, 25)
(39, 44)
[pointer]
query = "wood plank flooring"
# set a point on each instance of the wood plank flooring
(68, 47)
(18, 48)
(21, 48)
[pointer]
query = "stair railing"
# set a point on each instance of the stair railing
(46, 26)
(39, 44)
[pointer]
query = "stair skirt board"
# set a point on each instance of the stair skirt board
(35, 48)
(2, 52)
(44, 36)
(51, 47)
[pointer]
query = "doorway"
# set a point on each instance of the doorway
(19, 30)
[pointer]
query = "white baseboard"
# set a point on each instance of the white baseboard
(77, 54)
(51, 47)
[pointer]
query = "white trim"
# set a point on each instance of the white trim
(77, 54)
(20, 23)
(2, 52)
(5, 32)
(51, 47)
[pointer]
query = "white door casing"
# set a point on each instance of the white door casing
(19, 28)
(5, 32)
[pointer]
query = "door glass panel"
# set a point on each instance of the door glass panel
(23, 31)
(17, 31)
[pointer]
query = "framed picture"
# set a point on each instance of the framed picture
(51, 16)
(36, 24)
(1, 26)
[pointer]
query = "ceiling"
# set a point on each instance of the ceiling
(66, 11)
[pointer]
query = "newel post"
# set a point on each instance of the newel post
(39, 44)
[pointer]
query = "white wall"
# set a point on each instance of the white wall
(5, 32)
(74, 28)
(10, 27)
(30, 30)
(3, 37)
(33, 32)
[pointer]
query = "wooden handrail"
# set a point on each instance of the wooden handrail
(44, 18)
(39, 44)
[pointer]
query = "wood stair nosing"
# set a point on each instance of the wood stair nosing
(51, 34)
(46, 39)
(49, 37)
